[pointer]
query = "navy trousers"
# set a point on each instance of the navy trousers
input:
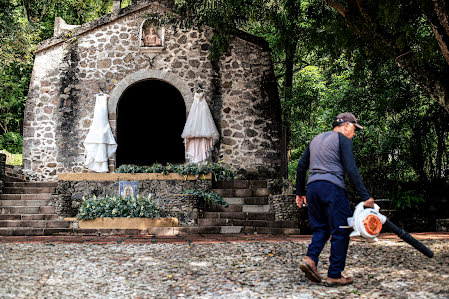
(328, 208)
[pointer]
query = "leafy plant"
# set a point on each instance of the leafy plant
(210, 198)
(118, 207)
(406, 199)
(219, 172)
(12, 142)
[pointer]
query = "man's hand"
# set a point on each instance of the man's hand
(301, 201)
(369, 203)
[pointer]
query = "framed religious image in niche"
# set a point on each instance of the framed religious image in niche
(151, 38)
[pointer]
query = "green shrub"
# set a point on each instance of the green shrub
(118, 207)
(406, 199)
(11, 142)
(210, 198)
(219, 172)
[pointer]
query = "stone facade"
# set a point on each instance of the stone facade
(166, 193)
(70, 69)
(2, 171)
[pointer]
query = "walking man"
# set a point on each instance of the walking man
(329, 158)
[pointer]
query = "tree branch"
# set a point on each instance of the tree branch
(338, 7)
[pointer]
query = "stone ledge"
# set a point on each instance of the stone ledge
(130, 177)
(127, 223)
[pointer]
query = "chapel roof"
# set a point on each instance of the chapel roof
(123, 12)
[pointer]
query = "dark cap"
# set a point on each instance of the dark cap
(346, 117)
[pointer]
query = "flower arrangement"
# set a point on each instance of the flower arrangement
(118, 207)
(219, 172)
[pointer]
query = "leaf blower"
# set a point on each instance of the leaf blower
(368, 222)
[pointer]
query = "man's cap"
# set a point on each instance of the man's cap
(346, 117)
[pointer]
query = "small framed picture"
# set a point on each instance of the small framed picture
(128, 188)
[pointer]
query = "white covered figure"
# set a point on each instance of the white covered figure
(200, 133)
(99, 144)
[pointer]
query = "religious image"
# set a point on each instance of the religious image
(151, 39)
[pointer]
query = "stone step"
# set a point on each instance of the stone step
(256, 208)
(15, 175)
(240, 208)
(239, 215)
(29, 217)
(229, 208)
(255, 192)
(256, 200)
(28, 190)
(158, 231)
(27, 210)
(246, 223)
(240, 184)
(40, 217)
(28, 231)
(258, 230)
(24, 203)
(9, 179)
(246, 200)
(31, 184)
(36, 223)
(43, 196)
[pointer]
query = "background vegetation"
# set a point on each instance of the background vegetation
(384, 60)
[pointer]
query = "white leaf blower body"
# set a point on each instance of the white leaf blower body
(366, 222)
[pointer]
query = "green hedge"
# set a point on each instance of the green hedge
(219, 172)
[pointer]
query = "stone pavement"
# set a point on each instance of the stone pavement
(213, 266)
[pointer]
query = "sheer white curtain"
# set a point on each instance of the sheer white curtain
(200, 133)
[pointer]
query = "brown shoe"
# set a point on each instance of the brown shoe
(337, 282)
(308, 266)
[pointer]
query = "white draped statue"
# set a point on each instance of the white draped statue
(200, 133)
(99, 144)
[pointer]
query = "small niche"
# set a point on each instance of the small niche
(151, 38)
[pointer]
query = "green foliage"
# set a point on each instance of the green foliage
(118, 207)
(219, 172)
(11, 142)
(210, 198)
(404, 199)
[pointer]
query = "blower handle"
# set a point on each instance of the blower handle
(408, 238)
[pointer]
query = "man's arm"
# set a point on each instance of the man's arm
(303, 165)
(351, 169)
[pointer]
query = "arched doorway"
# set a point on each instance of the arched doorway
(150, 118)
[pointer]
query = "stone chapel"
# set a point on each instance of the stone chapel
(150, 74)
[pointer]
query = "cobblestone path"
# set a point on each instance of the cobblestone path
(213, 266)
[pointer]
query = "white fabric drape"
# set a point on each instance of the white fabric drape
(200, 133)
(99, 144)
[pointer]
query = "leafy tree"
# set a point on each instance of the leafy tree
(413, 33)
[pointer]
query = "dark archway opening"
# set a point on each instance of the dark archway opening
(151, 115)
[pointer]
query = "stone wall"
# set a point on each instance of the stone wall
(282, 200)
(70, 69)
(166, 193)
(2, 171)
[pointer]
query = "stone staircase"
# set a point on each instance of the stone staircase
(25, 209)
(248, 210)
